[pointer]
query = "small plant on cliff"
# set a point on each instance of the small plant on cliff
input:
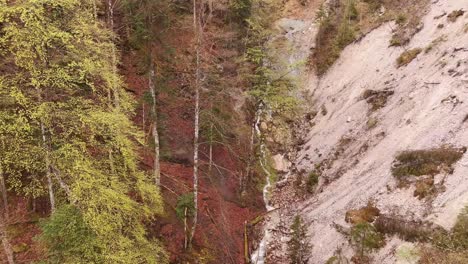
(408, 56)
(312, 181)
(426, 162)
(298, 245)
(452, 17)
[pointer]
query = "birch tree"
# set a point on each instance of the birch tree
(197, 29)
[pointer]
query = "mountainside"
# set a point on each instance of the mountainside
(375, 103)
(234, 131)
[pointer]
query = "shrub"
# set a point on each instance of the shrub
(298, 245)
(312, 181)
(424, 187)
(435, 43)
(377, 99)
(452, 17)
(407, 230)
(371, 123)
(401, 19)
(68, 238)
(366, 214)
(426, 162)
(397, 40)
(407, 57)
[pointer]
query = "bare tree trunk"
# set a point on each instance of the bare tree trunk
(185, 229)
(210, 166)
(197, 28)
(143, 117)
(48, 172)
(6, 244)
(4, 192)
(152, 88)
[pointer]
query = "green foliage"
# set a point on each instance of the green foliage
(426, 162)
(60, 83)
(185, 202)
(241, 9)
(146, 20)
(338, 28)
(312, 181)
(69, 239)
(401, 19)
(298, 246)
(352, 12)
(269, 86)
(365, 238)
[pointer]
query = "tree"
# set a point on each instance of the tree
(198, 30)
(365, 238)
(59, 69)
(298, 246)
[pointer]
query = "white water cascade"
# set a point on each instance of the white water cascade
(258, 256)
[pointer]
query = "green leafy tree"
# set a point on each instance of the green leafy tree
(67, 110)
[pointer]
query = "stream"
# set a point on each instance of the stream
(258, 256)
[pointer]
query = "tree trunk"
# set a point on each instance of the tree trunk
(185, 229)
(152, 88)
(48, 172)
(4, 192)
(143, 118)
(6, 244)
(210, 166)
(197, 28)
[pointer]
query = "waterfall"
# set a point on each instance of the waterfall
(258, 256)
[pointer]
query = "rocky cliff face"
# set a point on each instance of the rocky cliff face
(374, 103)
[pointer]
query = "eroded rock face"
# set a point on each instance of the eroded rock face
(416, 114)
(280, 163)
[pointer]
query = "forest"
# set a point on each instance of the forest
(233, 131)
(127, 129)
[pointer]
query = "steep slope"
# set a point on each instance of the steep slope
(356, 142)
